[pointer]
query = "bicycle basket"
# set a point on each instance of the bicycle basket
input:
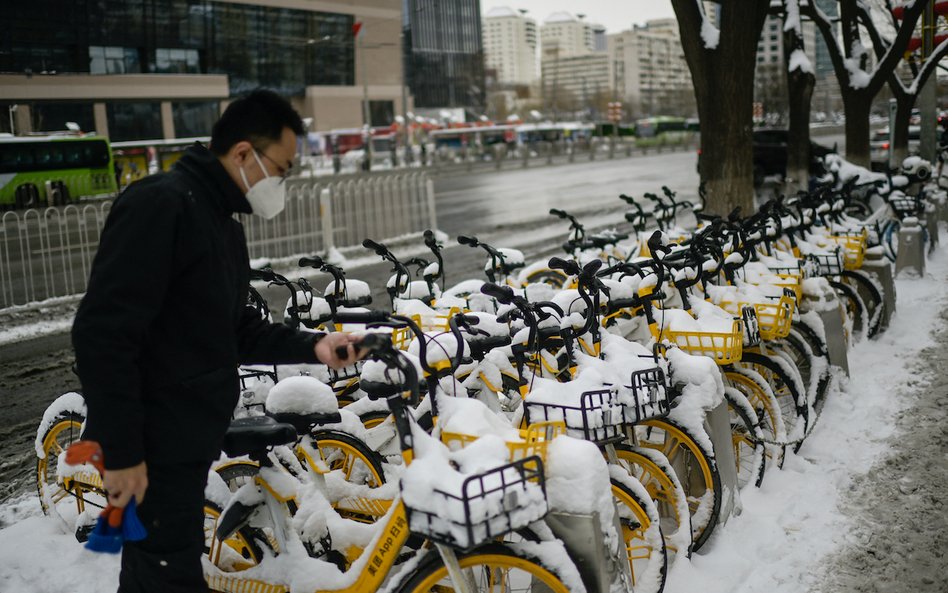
(829, 263)
(904, 205)
(854, 248)
(724, 347)
(773, 319)
(534, 440)
(650, 391)
(599, 417)
(489, 505)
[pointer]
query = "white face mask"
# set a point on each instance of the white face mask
(267, 197)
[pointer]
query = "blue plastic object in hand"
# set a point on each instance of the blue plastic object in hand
(114, 527)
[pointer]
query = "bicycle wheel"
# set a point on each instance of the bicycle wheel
(242, 550)
(855, 309)
(497, 568)
(787, 389)
(746, 439)
(766, 408)
(696, 470)
(644, 543)
(357, 464)
(65, 492)
(554, 278)
(655, 473)
(373, 419)
(872, 297)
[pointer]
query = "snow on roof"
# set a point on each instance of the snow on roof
(560, 17)
(500, 11)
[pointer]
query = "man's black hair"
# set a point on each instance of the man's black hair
(258, 117)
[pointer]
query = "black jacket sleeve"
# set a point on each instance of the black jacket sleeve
(261, 342)
(129, 281)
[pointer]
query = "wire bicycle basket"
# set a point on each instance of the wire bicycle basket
(488, 505)
(599, 417)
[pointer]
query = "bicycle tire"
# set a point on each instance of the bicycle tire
(794, 405)
(554, 278)
(872, 298)
(355, 451)
(663, 487)
(373, 419)
(854, 307)
(799, 349)
(635, 523)
(64, 430)
(696, 469)
(766, 408)
(487, 562)
(746, 440)
(243, 549)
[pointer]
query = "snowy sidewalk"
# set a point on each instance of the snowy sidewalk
(860, 508)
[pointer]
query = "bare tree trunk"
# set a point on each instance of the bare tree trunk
(800, 85)
(723, 78)
(903, 114)
(857, 107)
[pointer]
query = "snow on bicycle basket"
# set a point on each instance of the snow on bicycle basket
(715, 333)
(595, 415)
(828, 263)
(467, 503)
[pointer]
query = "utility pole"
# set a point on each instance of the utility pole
(927, 98)
(366, 118)
(405, 123)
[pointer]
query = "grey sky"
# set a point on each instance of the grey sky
(615, 15)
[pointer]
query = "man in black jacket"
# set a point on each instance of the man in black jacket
(163, 326)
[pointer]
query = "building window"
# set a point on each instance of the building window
(52, 117)
(134, 121)
(194, 119)
(176, 61)
(113, 60)
(381, 113)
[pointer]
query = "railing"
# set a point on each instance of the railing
(48, 252)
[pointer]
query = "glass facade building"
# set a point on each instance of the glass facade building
(279, 48)
(444, 57)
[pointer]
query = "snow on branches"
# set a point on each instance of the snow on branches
(710, 34)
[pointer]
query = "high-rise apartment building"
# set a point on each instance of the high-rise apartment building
(568, 35)
(444, 53)
(151, 69)
(648, 69)
(510, 46)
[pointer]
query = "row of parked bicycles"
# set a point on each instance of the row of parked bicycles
(546, 428)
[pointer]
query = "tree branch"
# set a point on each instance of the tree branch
(891, 59)
(823, 23)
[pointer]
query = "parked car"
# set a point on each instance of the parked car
(879, 146)
(770, 154)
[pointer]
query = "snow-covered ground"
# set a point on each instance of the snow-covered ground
(860, 508)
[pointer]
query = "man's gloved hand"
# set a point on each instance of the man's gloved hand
(332, 345)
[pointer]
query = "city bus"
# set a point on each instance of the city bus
(663, 129)
(54, 169)
(137, 158)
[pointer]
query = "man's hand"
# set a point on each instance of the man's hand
(329, 348)
(123, 484)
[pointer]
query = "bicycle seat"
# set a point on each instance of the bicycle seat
(303, 423)
(251, 435)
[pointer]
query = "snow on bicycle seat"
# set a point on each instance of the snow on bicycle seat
(303, 402)
(254, 434)
(355, 293)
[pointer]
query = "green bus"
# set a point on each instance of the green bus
(654, 131)
(54, 170)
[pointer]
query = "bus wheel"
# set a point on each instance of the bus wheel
(58, 193)
(26, 196)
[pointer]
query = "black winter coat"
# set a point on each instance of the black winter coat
(163, 325)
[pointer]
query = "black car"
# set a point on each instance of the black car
(770, 154)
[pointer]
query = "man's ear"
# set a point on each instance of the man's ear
(241, 152)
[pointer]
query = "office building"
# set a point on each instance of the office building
(444, 54)
(148, 69)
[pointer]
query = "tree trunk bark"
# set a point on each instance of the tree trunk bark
(857, 107)
(800, 86)
(903, 113)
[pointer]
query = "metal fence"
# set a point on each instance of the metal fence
(48, 252)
